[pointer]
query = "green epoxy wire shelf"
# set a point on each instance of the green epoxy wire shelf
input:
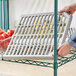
(61, 61)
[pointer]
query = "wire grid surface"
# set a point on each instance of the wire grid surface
(47, 63)
(34, 36)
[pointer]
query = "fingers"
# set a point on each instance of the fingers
(60, 51)
(63, 51)
(67, 9)
(61, 11)
(58, 55)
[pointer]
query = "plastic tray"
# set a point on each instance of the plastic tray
(34, 36)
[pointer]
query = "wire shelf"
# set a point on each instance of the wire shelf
(61, 61)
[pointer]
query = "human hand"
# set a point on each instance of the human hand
(69, 9)
(64, 49)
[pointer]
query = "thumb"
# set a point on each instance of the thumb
(62, 10)
(58, 48)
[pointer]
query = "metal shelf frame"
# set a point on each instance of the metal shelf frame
(57, 62)
(4, 15)
(1, 14)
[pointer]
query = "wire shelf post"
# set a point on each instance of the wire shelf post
(55, 37)
(6, 15)
(8, 12)
(1, 14)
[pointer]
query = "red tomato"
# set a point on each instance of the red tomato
(10, 32)
(1, 31)
(1, 37)
(5, 35)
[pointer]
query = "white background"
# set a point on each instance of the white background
(19, 7)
